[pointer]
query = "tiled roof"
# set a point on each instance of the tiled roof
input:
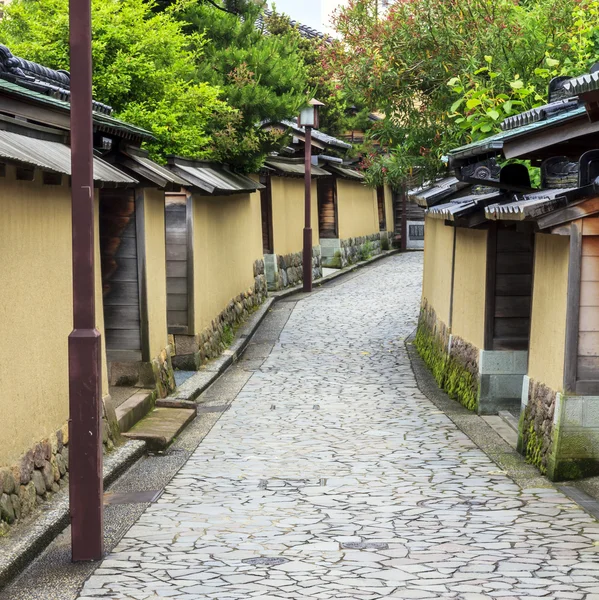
(328, 140)
(40, 79)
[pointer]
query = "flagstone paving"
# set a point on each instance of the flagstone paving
(333, 477)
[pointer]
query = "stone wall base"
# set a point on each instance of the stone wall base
(157, 373)
(452, 360)
(287, 270)
(500, 380)
(339, 253)
(192, 351)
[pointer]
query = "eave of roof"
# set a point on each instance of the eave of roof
(293, 167)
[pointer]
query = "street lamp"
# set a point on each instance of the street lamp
(308, 119)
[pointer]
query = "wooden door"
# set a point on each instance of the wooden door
(512, 267)
(120, 275)
(380, 200)
(327, 208)
(266, 208)
(178, 263)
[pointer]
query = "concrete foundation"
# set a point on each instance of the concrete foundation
(501, 373)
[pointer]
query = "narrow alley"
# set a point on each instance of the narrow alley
(331, 476)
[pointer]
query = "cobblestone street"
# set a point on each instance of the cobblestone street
(332, 476)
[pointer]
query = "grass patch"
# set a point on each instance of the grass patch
(366, 250)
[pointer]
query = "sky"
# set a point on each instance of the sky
(315, 13)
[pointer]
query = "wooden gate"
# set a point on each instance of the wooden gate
(179, 263)
(266, 207)
(509, 289)
(327, 208)
(380, 201)
(120, 275)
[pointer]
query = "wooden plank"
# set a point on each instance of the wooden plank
(176, 268)
(176, 285)
(125, 294)
(572, 349)
(587, 367)
(570, 213)
(589, 293)
(176, 302)
(121, 317)
(590, 245)
(589, 318)
(513, 285)
(176, 237)
(512, 306)
(509, 240)
(125, 247)
(514, 262)
(589, 269)
(510, 343)
(176, 318)
(176, 252)
(513, 327)
(122, 269)
(590, 226)
(123, 339)
(117, 227)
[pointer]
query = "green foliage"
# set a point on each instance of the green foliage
(449, 373)
(384, 243)
(366, 250)
(498, 56)
(262, 77)
(228, 335)
(144, 67)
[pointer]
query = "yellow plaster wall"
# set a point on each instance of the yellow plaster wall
(438, 253)
(549, 302)
(288, 199)
(99, 294)
(357, 209)
(227, 242)
(155, 270)
(389, 214)
(36, 312)
(468, 320)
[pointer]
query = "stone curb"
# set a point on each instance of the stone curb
(189, 390)
(18, 550)
(474, 426)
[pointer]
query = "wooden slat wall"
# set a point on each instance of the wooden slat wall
(176, 264)
(120, 279)
(266, 208)
(588, 337)
(327, 209)
(380, 200)
(513, 290)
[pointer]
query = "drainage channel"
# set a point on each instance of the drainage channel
(581, 498)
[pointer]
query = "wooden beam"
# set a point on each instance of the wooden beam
(142, 276)
(569, 213)
(573, 308)
(455, 233)
(190, 266)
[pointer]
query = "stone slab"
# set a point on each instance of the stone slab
(161, 426)
(133, 410)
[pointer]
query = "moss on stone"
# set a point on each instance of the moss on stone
(533, 449)
(449, 373)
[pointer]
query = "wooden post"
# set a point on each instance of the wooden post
(307, 259)
(85, 413)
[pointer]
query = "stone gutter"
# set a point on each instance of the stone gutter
(20, 546)
(35, 533)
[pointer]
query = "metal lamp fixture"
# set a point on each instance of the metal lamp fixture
(309, 116)
(308, 119)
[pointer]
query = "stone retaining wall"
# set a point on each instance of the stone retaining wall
(341, 253)
(192, 351)
(288, 270)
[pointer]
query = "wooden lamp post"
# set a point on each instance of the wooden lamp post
(308, 119)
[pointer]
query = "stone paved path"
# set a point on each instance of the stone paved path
(333, 477)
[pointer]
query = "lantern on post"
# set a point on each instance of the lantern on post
(308, 119)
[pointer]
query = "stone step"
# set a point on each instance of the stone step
(510, 419)
(504, 430)
(133, 409)
(161, 426)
